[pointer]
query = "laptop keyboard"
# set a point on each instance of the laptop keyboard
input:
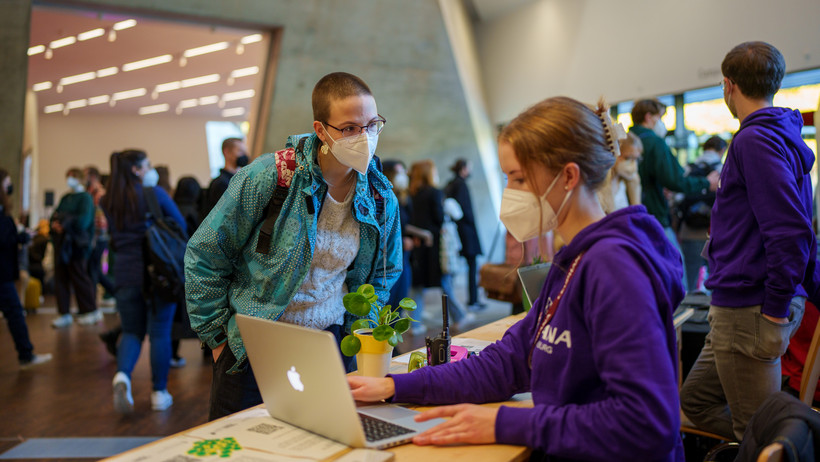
(377, 429)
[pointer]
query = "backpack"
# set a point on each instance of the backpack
(165, 244)
(285, 170)
(696, 210)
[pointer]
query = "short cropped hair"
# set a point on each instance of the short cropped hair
(715, 143)
(229, 142)
(76, 173)
(757, 68)
(335, 86)
(644, 107)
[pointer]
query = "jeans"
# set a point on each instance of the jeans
(139, 318)
(13, 312)
(232, 393)
(738, 368)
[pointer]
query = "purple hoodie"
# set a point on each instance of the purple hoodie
(604, 372)
(762, 244)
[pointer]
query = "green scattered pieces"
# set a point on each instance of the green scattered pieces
(223, 447)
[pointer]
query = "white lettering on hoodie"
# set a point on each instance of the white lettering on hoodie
(548, 339)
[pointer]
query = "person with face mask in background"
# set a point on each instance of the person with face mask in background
(470, 245)
(624, 178)
(659, 169)
(236, 157)
(125, 209)
(337, 228)
(72, 233)
(597, 350)
(10, 241)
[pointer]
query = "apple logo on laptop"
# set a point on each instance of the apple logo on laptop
(295, 380)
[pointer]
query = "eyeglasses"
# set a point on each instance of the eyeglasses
(373, 128)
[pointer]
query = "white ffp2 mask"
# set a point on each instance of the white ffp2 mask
(517, 212)
(355, 151)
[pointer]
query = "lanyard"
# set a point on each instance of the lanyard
(546, 316)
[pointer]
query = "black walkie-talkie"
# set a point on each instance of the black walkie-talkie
(438, 349)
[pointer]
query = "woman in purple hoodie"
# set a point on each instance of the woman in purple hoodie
(597, 349)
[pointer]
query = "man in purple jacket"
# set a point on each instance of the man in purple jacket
(761, 249)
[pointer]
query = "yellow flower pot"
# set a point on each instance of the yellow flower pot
(373, 360)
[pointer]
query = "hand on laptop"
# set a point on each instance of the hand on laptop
(371, 389)
(468, 423)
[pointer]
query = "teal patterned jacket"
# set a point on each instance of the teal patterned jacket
(224, 274)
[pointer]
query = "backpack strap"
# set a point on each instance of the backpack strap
(285, 169)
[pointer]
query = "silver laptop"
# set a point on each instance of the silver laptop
(532, 279)
(302, 381)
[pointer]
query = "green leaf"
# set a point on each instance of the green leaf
(356, 304)
(393, 340)
(360, 324)
(350, 345)
(407, 304)
(401, 339)
(383, 332)
(392, 317)
(383, 313)
(402, 325)
(367, 290)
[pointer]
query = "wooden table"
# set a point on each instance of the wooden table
(411, 452)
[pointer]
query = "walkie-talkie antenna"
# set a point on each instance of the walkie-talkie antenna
(445, 318)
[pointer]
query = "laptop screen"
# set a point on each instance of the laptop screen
(532, 279)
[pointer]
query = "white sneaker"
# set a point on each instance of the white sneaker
(89, 319)
(161, 400)
(62, 321)
(35, 360)
(176, 363)
(123, 401)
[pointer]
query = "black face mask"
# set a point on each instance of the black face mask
(9, 189)
(242, 160)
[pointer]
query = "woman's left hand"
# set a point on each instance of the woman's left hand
(468, 423)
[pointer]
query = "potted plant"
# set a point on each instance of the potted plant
(372, 341)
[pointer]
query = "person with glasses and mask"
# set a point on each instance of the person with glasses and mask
(597, 350)
(338, 228)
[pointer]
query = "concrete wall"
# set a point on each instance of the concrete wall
(631, 48)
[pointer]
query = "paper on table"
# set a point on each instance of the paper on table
(270, 435)
(471, 344)
(177, 449)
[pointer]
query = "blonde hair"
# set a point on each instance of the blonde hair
(558, 131)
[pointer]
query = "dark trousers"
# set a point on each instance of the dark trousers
(74, 274)
(232, 393)
(95, 266)
(13, 312)
(472, 279)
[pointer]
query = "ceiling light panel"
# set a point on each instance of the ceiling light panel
(137, 92)
(206, 100)
(76, 104)
(205, 49)
(94, 33)
(163, 87)
(188, 103)
(157, 108)
(147, 63)
(128, 23)
(41, 86)
(244, 72)
(37, 49)
(211, 78)
(53, 108)
(108, 71)
(236, 95)
(102, 99)
(78, 78)
(63, 42)
(251, 39)
(233, 112)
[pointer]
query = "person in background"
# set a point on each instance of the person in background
(396, 172)
(37, 253)
(428, 214)
(600, 358)
(470, 245)
(626, 183)
(164, 179)
(762, 250)
(125, 208)
(658, 168)
(695, 212)
(72, 232)
(338, 228)
(236, 156)
(10, 306)
(94, 186)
